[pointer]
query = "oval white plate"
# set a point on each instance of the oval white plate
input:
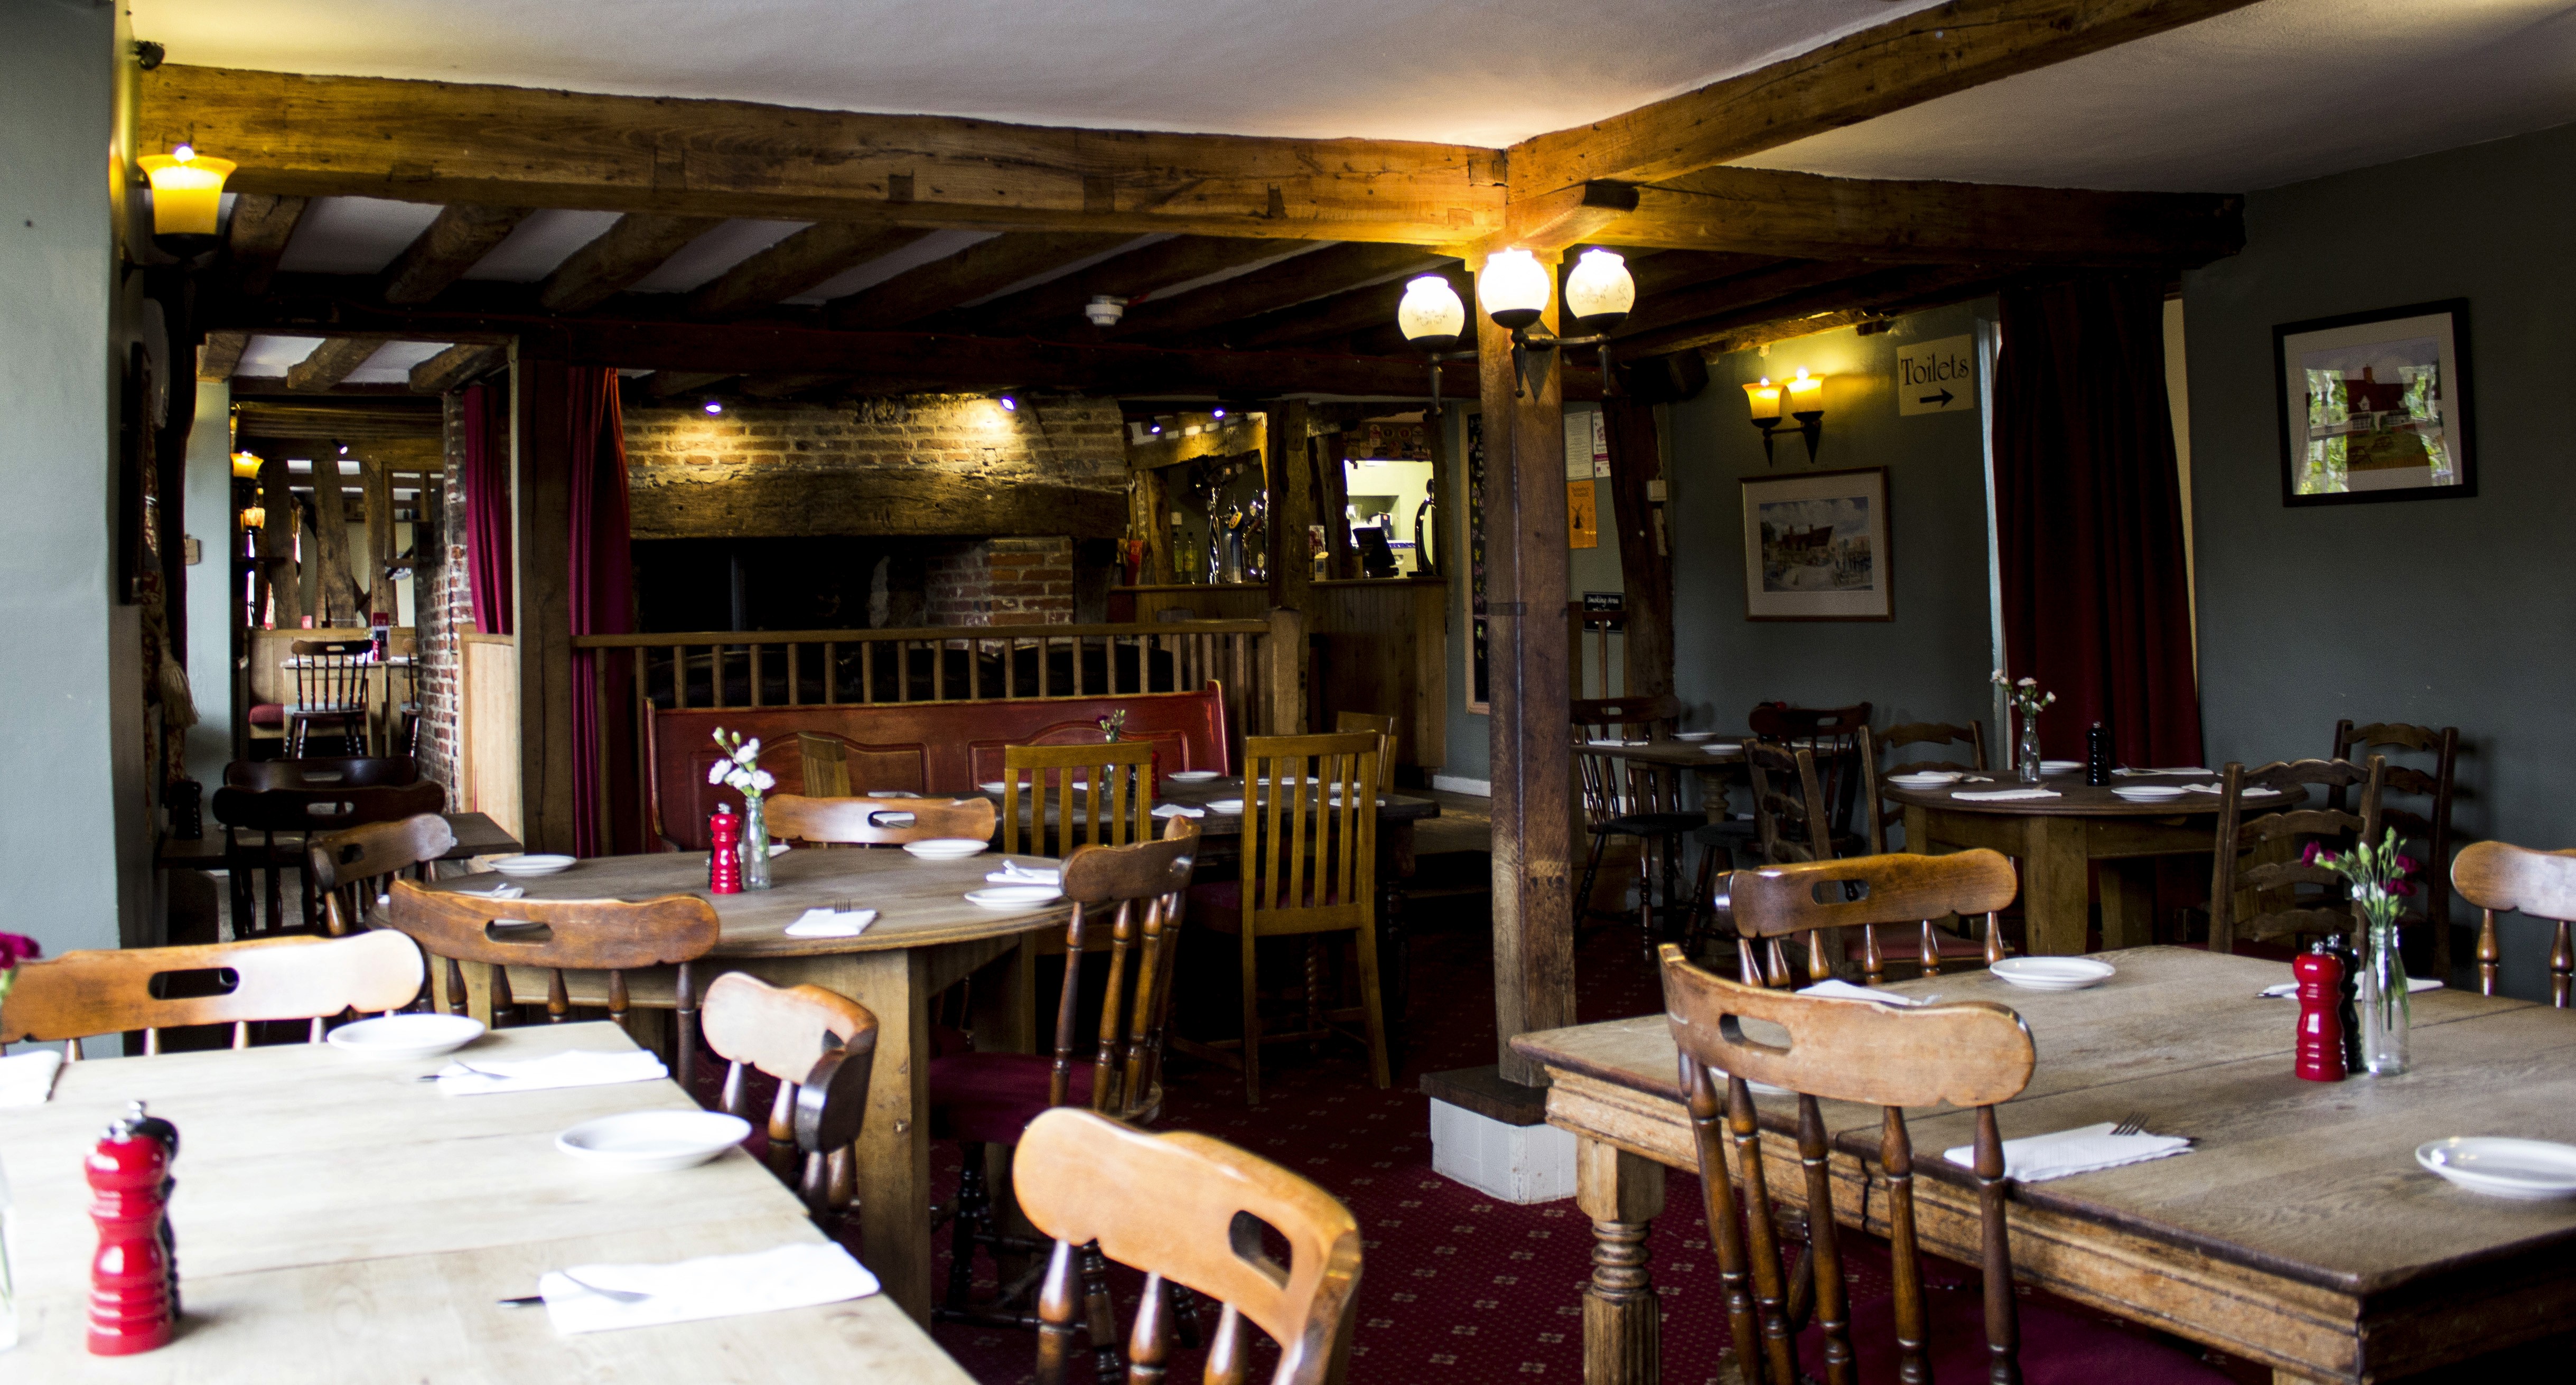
(1014, 896)
(892, 793)
(2527, 1170)
(1191, 776)
(531, 865)
(2053, 973)
(1730, 748)
(651, 1141)
(1694, 736)
(946, 848)
(993, 786)
(1225, 805)
(2060, 766)
(406, 1036)
(1928, 778)
(2148, 793)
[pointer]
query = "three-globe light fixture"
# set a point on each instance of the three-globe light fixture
(1513, 289)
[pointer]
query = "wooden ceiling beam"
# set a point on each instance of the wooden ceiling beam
(340, 421)
(624, 253)
(1338, 316)
(1659, 312)
(1058, 303)
(669, 384)
(986, 267)
(789, 386)
(221, 352)
(1876, 294)
(261, 225)
(1316, 274)
(792, 266)
(1887, 67)
(456, 367)
(331, 362)
(449, 142)
(440, 254)
(1548, 222)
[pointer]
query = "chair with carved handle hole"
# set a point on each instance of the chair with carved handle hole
(286, 821)
(330, 690)
(1891, 743)
(1788, 825)
(2259, 851)
(1131, 896)
(562, 936)
(292, 978)
(352, 869)
(820, 1047)
(1187, 1209)
(1633, 799)
(1059, 790)
(1854, 898)
(1973, 1054)
(2426, 833)
(2499, 877)
(877, 821)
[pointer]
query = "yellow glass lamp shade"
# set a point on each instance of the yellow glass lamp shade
(1513, 288)
(1599, 291)
(1431, 315)
(246, 466)
(1806, 394)
(187, 191)
(254, 517)
(1763, 397)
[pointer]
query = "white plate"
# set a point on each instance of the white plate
(892, 793)
(1225, 805)
(1694, 736)
(1730, 748)
(1191, 776)
(995, 786)
(1928, 778)
(2060, 766)
(407, 1036)
(1014, 896)
(2053, 973)
(2148, 793)
(946, 848)
(651, 1141)
(531, 865)
(2526, 1170)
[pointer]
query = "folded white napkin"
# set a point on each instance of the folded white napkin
(2258, 791)
(2413, 985)
(1998, 795)
(1178, 810)
(777, 847)
(716, 1286)
(1614, 740)
(1013, 873)
(1844, 990)
(2038, 1158)
(504, 890)
(27, 1079)
(827, 923)
(2189, 769)
(573, 1068)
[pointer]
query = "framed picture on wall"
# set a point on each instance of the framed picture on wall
(2375, 406)
(1815, 547)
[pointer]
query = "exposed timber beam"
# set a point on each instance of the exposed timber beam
(798, 263)
(221, 352)
(789, 386)
(634, 247)
(441, 254)
(1058, 303)
(1887, 291)
(1771, 211)
(1888, 67)
(354, 421)
(1316, 274)
(331, 362)
(1660, 312)
(1338, 316)
(449, 142)
(261, 226)
(1553, 220)
(456, 366)
(671, 503)
(667, 384)
(986, 267)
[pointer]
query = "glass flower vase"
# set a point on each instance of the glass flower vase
(2386, 1012)
(2027, 760)
(755, 844)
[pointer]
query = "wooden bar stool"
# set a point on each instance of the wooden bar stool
(110, 992)
(820, 1047)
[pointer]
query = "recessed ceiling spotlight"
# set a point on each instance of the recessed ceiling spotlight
(713, 406)
(1104, 310)
(1218, 413)
(1010, 404)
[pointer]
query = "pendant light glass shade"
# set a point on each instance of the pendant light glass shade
(1763, 397)
(1513, 288)
(187, 191)
(1599, 291)
(1431, 315)
(246, 466)
(1806, 393)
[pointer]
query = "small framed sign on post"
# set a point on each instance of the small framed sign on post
(1815, 547)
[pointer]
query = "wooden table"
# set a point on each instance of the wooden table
(926, 937)
(2299, 1232)
(2056, 838)
(476, 835)
(339, 1222)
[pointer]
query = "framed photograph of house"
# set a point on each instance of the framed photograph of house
(1815, 547)
(2375, 406)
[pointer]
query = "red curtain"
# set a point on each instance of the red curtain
(603, 603)
(487, 507)
(2089, 517)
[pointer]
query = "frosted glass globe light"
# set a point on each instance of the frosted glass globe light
(1599, 291)
(1431, 315)
(1513, 288)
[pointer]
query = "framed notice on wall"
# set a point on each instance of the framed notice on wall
(1815, 547)
(2375, 406)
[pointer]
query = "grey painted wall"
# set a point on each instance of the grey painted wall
(2446, 612)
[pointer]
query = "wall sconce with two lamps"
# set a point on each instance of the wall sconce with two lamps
(1806, 403)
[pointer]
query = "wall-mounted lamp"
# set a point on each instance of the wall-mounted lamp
(1513, 289)
(187, 199)
(1806, 403)
(245, 466)
(254, 517)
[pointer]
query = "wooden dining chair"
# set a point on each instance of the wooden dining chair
(1632, 799)
(1853, 899)
(1833, 733)
(1383, 723)
(1062, 788)
(2498, 876)
(1187, 1209)
(291, 978)
(286, 821)
(820, 1047)
(2426, 832)
(1788, 825)
(877, 821)
(351, 869)
(558, 936)
(1132, 895)
(330, 678)
(324, 772)
(1309, 868)
(2258, 851)
(826, 764)
(1891, 744)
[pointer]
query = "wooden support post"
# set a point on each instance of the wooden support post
(1283, 673)
(276, 549)
(1332, 468)
(1291, 474)
(541, 526)
(1645, 554)
(338, 596)
(1157, 502)
(380, 538)
(1527, 659)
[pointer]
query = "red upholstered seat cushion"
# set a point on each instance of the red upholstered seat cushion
(268, 714)
(2057, 1347)
(989, 1098)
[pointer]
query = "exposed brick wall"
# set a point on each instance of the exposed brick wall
(957, 586)
(442, 606)
(1031, 581)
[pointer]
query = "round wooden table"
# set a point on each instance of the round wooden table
(2056, 838)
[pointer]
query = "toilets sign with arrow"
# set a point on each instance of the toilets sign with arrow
(1937, 377)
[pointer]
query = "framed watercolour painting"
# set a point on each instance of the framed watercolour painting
(2375, 406)
(1815, 547)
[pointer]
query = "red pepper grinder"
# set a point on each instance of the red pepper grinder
(150, 1126)
(2320, 1044)
(129, 1293)
(724, 861)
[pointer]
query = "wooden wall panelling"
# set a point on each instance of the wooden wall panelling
(488, 731)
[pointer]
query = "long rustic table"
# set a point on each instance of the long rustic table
(2299, 1232)
(338, 1221)
(926, 938)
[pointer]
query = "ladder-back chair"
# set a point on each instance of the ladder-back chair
(2258, 851)
(351, 869)
(296, 815)
(1100, 794)
(1187, 1209)
(1790, 821)
(1632, 798)
(293, 978)
(1383, 723)
(876, 821)
(2497, 876)
(2431, 826)
(1833, 733)
(820, 1047)
(1890, 743)
(1772, 903)
(330, 678)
